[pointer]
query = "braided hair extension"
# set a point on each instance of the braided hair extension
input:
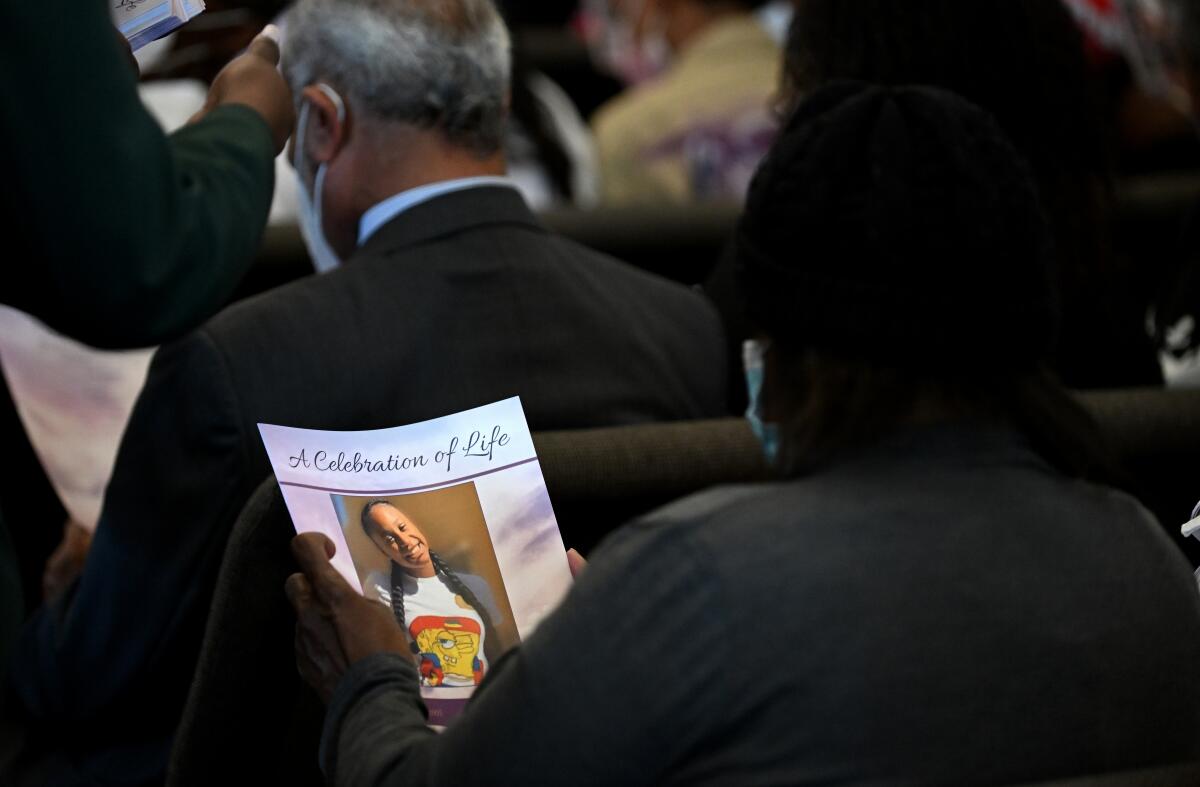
(398, 604)
(458, 587)
(449, 578)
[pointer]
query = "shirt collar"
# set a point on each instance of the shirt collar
(383, 212)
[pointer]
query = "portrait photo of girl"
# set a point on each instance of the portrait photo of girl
(429, 559)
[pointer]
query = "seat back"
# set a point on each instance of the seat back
(1156, 434)
(1181, 775)
(248, 718)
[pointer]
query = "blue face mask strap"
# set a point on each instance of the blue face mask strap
(753, 359)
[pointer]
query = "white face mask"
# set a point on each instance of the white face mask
(324, 258)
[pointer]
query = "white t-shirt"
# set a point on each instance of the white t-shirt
(449, 634)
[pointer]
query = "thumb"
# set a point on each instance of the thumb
(312, 552)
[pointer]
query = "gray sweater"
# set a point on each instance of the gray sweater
(945, 608)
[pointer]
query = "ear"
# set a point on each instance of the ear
(325, 134)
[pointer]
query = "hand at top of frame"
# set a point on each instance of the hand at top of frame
(252, 79)
(335, 626)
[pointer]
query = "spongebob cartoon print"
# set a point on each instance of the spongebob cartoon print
(450, 650)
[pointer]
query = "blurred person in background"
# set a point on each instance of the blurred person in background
(930, 593)
(1023, 61)
(1177, 318)
(696, 131)
(776, 17)
(1151, 132)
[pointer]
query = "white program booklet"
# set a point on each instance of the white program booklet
(143, 21)
(74, 402)
(447, 523)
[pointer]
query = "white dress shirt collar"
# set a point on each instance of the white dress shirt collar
(393, 206)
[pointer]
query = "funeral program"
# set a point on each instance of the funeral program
(143, 21)
(446, 523)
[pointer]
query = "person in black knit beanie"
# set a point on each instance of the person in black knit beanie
(1023, 61)
(901, 227)
(932, 603)
(894, 247)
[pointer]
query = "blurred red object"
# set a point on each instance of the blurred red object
(1104, 29)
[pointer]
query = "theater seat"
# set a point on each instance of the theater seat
(1156, 434)
(249, 718)
(1183, 775)
(683, 242)
(678, 242)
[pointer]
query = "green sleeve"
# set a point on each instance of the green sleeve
(119, 235)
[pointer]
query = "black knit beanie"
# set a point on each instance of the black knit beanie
(899, 226)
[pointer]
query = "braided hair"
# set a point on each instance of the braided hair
(447, 575)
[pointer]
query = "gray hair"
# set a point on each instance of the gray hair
(441, 64)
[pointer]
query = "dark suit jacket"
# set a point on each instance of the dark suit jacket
(461, 301)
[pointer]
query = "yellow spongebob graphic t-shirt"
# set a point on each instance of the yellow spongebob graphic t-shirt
(448, 633)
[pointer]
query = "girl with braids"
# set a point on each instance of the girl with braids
(438, 609)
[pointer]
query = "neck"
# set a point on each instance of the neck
(400, 158)
(424, 572)
(386, 159)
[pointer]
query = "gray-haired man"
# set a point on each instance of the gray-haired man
(452, 296)
(391, 96)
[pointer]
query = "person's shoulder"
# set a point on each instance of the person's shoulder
(1119, 501)
(309, 314)
(710, 504)
(735, 53)
(629, 281)
(279, 347)
(377, 586)
(1115, 516)
(475, 583)
(703, 542)
(687, 519)
(284, 303)
(636, 115)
